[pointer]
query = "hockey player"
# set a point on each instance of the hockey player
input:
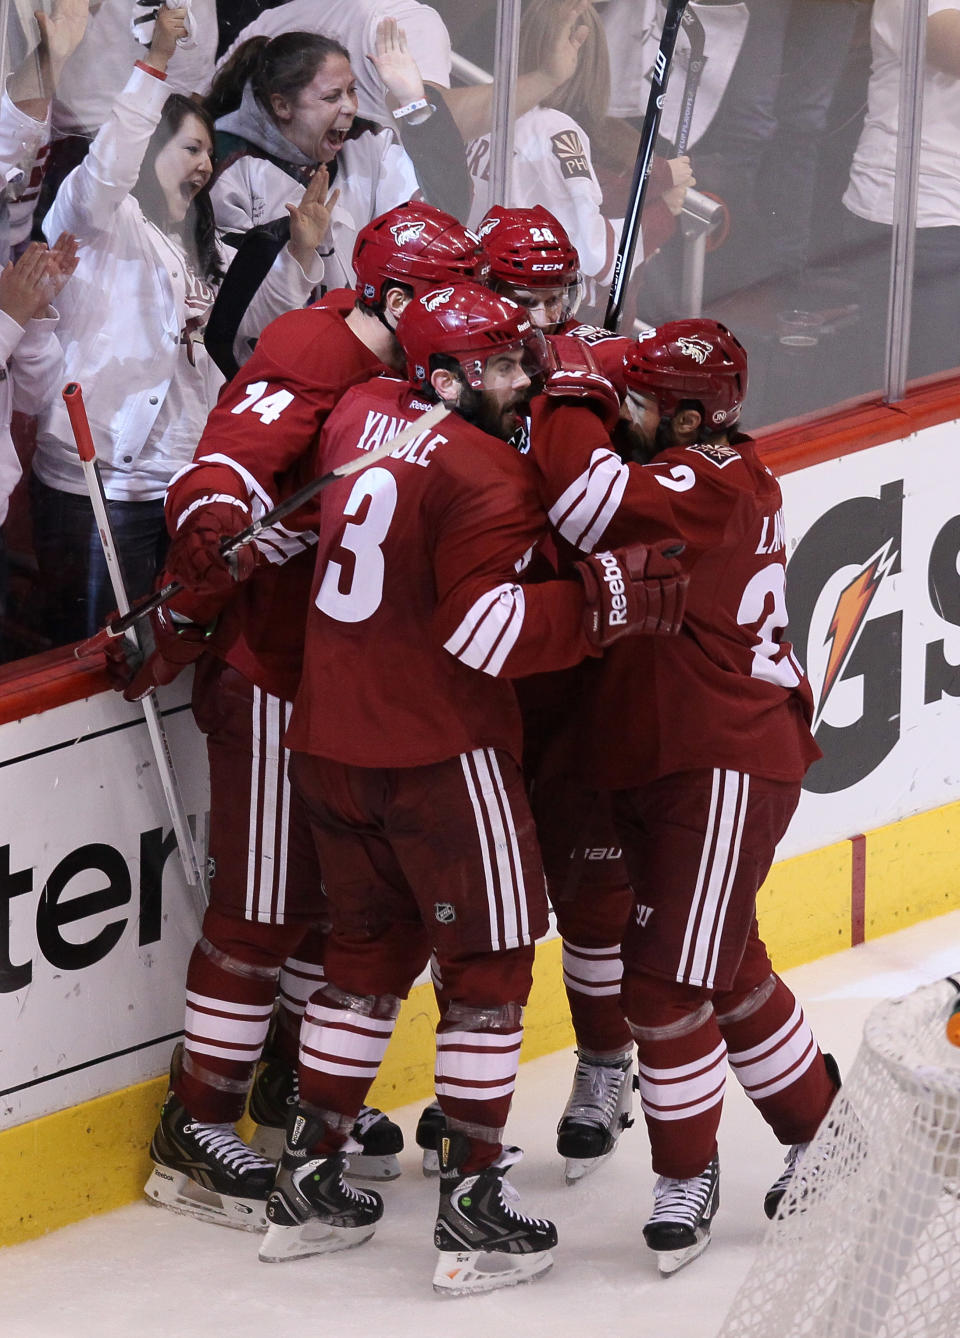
(703, 741)
(531, 259)
(405, 741)
(267, 915)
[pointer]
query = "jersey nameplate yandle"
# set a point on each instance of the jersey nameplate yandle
(567, 146)
(717, 454)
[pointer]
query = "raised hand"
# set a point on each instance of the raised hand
(61, 32)
(170, 26)
(310, 219)
(683, 180)
(560, 63)
(62, 260)
(25, 287)
(396, 67)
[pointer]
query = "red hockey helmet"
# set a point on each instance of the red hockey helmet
(528, 250)
(416, 244)
(690, 360)
(470, 324)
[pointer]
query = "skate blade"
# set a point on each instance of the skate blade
(311, 1237)
(268, 1142)
(671, 1261)
(577, 1168)
(176, 1191)
(372, 1168)
(431, 1162)
(468, 1272)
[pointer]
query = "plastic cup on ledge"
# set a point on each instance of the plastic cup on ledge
(799, 329)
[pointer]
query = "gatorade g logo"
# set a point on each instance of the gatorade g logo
(407, 232)
(853, 652)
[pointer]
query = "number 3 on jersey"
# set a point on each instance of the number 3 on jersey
(351, 591)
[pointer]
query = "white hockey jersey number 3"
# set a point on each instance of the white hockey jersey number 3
(350, 596)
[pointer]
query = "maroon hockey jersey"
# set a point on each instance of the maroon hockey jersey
(417, 616)
(728, 692)
(259, 445)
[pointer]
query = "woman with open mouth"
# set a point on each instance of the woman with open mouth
(286, 117)
(132, 323)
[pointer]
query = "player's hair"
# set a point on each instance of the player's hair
(199, 231)
(586, 95)
(285, 64)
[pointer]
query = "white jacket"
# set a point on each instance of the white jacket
(123, 311)
(31, 373)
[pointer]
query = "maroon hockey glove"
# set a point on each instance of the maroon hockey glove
(175, 645)
(194, 558)
(632, 590)
(575, 375)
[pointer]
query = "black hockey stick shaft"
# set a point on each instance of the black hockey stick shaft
(118, 626)
(641, 170)
(696, 38)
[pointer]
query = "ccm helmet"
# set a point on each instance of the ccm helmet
(416, 244)
(528, 250)
(690, 360)
(470, 324)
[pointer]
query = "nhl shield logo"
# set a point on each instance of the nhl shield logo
(407, 232)
(437, 299)
(444, 913)
(698, 349)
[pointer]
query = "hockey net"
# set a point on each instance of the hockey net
(866, 1243)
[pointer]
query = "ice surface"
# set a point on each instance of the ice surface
(147, 1273)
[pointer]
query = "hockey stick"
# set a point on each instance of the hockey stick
(73, 398)
(697, 38)
(425, 423)
(641, 171)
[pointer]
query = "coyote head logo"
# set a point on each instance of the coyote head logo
(437, 299)
(698, 349)
(407, 232)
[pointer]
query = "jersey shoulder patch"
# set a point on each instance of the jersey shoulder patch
(721, 456)
(592, 334)
(568, 148)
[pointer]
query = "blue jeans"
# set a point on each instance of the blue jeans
(78, 595)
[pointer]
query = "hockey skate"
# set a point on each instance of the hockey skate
(206, 1170)
(483, 1243)
(275, 1089)
(430, 1127)
(792, 1174)
(312, 1209)
(679, 1228)
(597, 1112)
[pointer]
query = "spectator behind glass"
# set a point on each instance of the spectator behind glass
(131, 324)
(286, 110)
(552, 163)
(935, 323)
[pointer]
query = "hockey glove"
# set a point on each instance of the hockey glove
(632, 590)
(575, 375)
(194, 558)
(175, 645)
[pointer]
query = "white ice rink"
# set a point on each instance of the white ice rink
(142, 1272)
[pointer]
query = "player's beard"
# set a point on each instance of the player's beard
(495, 419)
(631, 444)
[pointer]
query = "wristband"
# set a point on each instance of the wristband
(410, 108)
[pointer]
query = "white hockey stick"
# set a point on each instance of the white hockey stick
(73, 398)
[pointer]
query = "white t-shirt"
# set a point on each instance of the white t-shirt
(871, 188)
(633, 29)
(353, 23)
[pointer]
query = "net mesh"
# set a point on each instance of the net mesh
(867, 1240)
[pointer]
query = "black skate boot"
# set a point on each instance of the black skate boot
(275, 1089)
(679, 1228)
(596, 1114)
(430, 1127)
(483, 1243)
(792, 1174)
(206, 1170)
(312, 1209)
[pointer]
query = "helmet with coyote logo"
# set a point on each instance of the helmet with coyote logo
(415, 244)
(470, 324)
(690, 360)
